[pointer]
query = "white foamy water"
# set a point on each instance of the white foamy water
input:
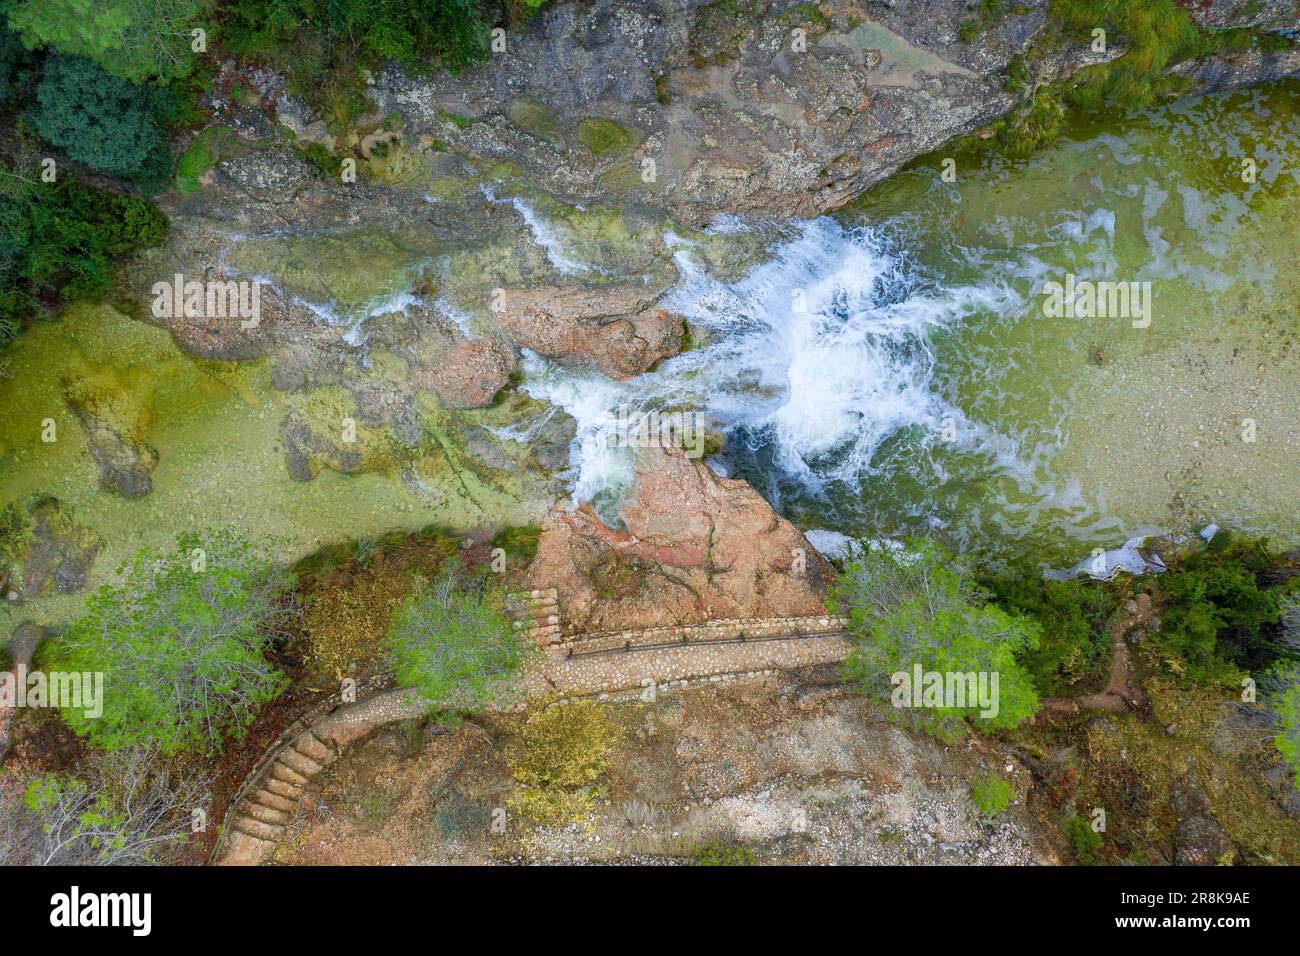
(543, 232)
(815, 357)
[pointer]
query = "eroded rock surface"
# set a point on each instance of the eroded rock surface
(619, 331)
(695, 546)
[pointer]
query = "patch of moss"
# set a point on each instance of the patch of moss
(456, 119)
(717, 853)
(532, 117)
(520, 542)
(208, 147)
(603, 136)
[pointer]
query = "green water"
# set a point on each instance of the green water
(1116, 430)
(1095, 430)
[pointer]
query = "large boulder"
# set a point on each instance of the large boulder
(695, 547)
(617, 330)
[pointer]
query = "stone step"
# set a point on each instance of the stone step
(256, 828)
(300, 762)
(290, 791)
(243, 849)
(263, 813)
(309, 745)
(282, 771)
(276, 802)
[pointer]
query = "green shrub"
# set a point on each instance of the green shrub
(16, 63)
(991, 795)
(182, 644)
(324, 44)
(1083, 840)
(63, 240)
(133, 39)
(102, 120)
(1072, 615)
(1219, 618)
(452, 642)
(923, 609)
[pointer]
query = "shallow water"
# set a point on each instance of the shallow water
(891, 371)
(885, 372)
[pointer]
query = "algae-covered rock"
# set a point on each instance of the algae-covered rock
(113, 405)
(326, 429)
(55, 556)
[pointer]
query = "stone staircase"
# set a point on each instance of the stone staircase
(259, 818)
(538, 611)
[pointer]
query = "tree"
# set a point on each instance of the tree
(453, 643)
(102, 120)
(922, 609)
(134, 39)
(182, 645)
(133, 810)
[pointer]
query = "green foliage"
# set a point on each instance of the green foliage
(452, 642)
(1219, 618)
(1072, 615)
(62, 240)
(990, 12)
(133, 39)
(16, 64)
(319, 156)
(1083, 840)
(1287, 706)
(520, 542)
(723, 854)
(991, 795)
(324, 44)
(14, 527)
(923, 609)
(182, 644)
(101, 120)
(1035, 125)
(1156, 33)
(558, 760)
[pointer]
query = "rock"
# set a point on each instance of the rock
(1199, 841)
(696, 547)
(112, 405)
(617, 330)
(124, 466)
(58, 554)
(468, 375)
(268, 175)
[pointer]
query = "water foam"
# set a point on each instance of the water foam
(816, 356)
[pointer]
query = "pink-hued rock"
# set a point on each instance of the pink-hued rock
(697, 547)
(468, 375)
(616, 330)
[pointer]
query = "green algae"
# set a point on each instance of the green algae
(221, 461)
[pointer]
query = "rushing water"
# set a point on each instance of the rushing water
(887, 371)
(891, 370)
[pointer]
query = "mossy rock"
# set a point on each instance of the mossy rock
(603, 136)
(532, 117)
